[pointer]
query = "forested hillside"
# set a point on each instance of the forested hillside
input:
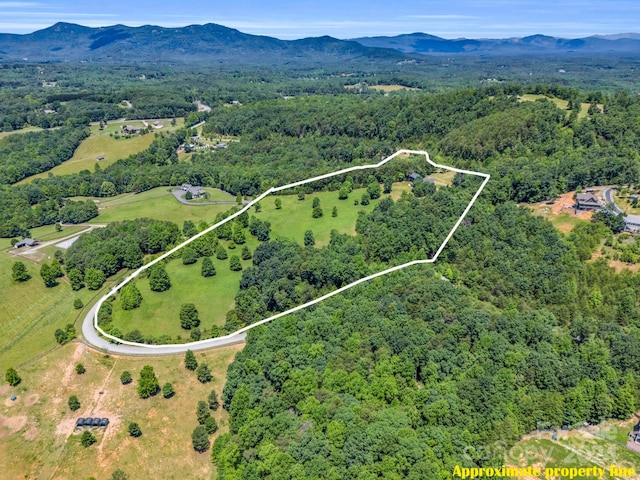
(534, 150)
(415, 373)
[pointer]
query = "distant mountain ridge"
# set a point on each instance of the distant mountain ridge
(423, 43)
(206, 44)
(212, 44)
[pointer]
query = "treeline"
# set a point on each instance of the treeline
(35, 152)
(119, 245)
(396, 378)
(533, 150)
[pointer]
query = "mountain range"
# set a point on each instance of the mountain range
(423, 43)
(215, 44)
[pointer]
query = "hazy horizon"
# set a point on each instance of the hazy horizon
(288, 20)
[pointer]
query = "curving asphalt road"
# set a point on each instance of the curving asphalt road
(608, 197)
(93, 339)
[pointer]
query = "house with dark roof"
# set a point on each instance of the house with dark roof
(27, 242)
(414, 177)
(587, 201)
(131, 129)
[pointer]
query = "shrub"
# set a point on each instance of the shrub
(126, 378)
(134, 430)
(167, 390)
(12, 377)
(87, 439)
(210, 425)
(74, 403)
(77, 304)
(203, 373)
(80, 368)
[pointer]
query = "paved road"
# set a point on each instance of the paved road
(608, 197)
(92, 338)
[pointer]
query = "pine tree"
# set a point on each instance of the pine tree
(125, 377)
(246, 253)
(189, 316)
(167, 390)
(208, 269)
(148, 384)
(309, 240)
(159, 279)
(210, 425)
(190, 361)
(202, 412)
(200, 439)
(203, 373)
(221, 253)
(234, 263)
(213, 400)
(130, 297)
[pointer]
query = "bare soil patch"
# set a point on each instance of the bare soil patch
(11, 425)
(32, 399)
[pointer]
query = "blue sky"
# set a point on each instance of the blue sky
(340, 18)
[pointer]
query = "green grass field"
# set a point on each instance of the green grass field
(562, 104)
(100, 143)
(157, 203)
(159, 313)
(30, 313)
(38, 439)
(294, 218)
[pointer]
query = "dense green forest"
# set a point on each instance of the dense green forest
(534, 150)
(409, 376)
(37, 152)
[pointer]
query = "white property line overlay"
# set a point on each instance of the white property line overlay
(115, 289)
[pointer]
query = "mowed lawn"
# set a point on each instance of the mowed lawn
(561, 104)
(38, 438)
(30, 313)
(156, 203)
(101, 144)
(159, 313)
(295, 216)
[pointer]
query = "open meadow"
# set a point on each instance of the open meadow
(38, 434)
(101, 144)
(158, 203)
(560, 103)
